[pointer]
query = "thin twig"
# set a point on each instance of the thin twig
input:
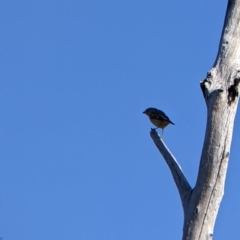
(181, 182)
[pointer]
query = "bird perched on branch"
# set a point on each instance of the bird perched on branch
(158, 118)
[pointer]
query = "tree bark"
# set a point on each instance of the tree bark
(220, 90)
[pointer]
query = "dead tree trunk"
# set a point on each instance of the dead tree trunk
(220, 90)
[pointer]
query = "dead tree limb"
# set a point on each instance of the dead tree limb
(181, 182)
(220, 90)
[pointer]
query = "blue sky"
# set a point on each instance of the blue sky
(77, 161)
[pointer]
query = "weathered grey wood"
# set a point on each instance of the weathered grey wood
(181, 182)
(220, 90)
(221, 100)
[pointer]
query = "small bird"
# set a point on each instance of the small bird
(158, 118)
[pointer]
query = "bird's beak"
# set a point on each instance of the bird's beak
(144, 112)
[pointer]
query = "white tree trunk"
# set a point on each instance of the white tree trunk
(220, 90)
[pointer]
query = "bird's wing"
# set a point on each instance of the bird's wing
(161, 116)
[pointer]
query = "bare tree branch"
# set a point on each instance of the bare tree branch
(181, 182)
(221, 90)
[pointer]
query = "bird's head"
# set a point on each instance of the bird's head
(149, 111)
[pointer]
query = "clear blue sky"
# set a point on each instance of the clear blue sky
(76, 158)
